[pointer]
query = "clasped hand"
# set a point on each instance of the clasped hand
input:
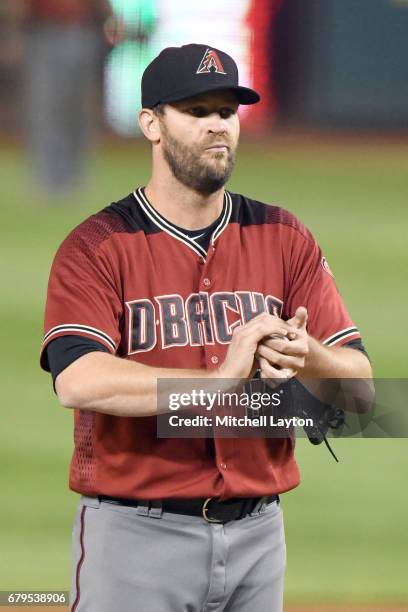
(283, 356)
(277, 347)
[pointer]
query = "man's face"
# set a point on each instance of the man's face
(199, 138)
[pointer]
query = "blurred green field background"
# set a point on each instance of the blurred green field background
(346, 524)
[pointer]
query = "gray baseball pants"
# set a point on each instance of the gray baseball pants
(127, 561)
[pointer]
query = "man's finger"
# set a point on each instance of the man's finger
(300, 318)
(270, 372)
(295, 348)
(264, 325)
(279, 359)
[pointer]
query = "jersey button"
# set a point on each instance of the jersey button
(223, 466)
(206, 282)
(214, 359)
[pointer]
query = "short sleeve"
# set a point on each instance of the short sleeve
(312, 285)
(83, 297)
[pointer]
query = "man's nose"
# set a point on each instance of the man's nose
(216, 124)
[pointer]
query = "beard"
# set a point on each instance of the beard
(206, 173)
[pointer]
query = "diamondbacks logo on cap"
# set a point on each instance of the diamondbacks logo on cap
(210, 63)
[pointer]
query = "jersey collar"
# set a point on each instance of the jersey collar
(169, 228)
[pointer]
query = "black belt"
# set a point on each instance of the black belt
(210, 508)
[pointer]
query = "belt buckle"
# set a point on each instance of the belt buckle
(204, 511)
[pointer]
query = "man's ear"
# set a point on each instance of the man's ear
(149, 124)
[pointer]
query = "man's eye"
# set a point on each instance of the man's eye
(201, 111)
(198, 111)
(226, 112)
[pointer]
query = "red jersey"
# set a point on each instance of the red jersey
(152, 294)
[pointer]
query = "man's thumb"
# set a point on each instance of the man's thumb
(300, 318)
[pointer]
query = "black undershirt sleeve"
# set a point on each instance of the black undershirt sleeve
(63, 351)
(358, 345)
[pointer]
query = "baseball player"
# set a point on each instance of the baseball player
(184, 279)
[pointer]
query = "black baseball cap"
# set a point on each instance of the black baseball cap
(182, 72)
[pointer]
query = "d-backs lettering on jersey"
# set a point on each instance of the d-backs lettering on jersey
(197, 320)
(150, 293)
